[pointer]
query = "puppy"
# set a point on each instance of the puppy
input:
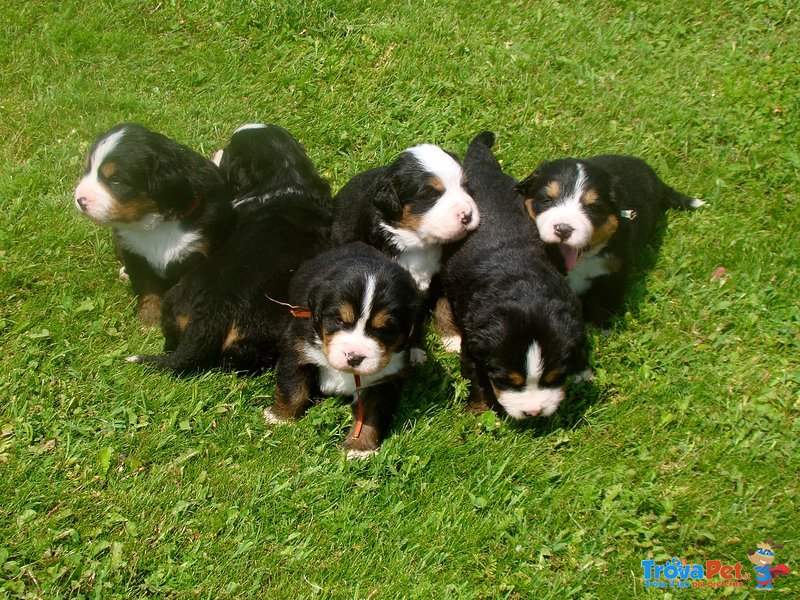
(227, 311)
(523, 336)
(408, 209)
(363, 309)
(168, 206)
(596, 215)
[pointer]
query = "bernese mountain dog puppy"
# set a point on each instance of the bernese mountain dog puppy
(227, 311)
(167, 205)
(596, 215)
(523, 336)
(408, 209)
(355, 340)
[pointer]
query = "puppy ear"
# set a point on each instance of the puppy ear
(170, 186)
(385, 198)
(528, 186)
(314, 304)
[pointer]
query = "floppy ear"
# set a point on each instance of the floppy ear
(528, 186)
(385, 198)
(170, 186)
(314, 304)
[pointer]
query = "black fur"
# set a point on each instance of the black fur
(148, 176)
(324, 285)
(627, 203)
(220, 314)
(505, 293)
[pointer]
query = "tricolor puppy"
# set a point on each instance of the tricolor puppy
(168, 206)
(362, 311)
(596, 215)
(221, 313)
(408, 209)
(523, 336)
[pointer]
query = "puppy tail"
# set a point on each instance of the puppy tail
(486, 138)
(479, 150)
(200, 348)
(673, 199)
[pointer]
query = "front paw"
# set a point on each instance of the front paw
(363, 446)
(360, 454)
(418, 356)
(272, 418)
(149, 309)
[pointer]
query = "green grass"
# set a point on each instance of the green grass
(119, 481)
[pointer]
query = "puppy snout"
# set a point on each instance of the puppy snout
(82, 203)
(354, 359)
(563, 231)
(466, 217)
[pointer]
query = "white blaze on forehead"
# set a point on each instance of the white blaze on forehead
(435, 160)
(568, 210)
(97, 200)
(455, 213)
(356, 341)
(532, 400)
(250, 126)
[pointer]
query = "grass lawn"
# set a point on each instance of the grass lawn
(119, 481)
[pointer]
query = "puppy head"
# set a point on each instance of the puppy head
(573, 205)
(528, 360)
(422, 198)
(364, 317)
(134, 175)
(265, 159)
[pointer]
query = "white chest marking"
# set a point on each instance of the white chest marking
(422, 263)
(586, 269)
(159, 242)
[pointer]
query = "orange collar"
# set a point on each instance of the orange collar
(300, 312)
(360, 418)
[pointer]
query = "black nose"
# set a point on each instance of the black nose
(82, 203)
(466, 218)
(354, 359)
(563, 231)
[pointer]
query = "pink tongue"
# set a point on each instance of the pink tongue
(570, 256)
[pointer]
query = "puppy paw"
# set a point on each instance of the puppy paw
(272, 419)
(149, 309)
(586, 375)
(418, 356)
(123, 275)
(133, 359)
(218, 157)
(697, 203)
(452, 343)
(360, 454)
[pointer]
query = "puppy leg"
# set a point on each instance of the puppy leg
(147, 286)
(479, 399)
(379, 403)
(445, 325)
(293, 386)
(604, 298)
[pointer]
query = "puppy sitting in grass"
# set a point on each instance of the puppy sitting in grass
(355, 313)
(596, 215)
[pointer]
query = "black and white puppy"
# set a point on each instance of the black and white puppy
(363, 311)
(523, 336)
(596, 215)
(167, 204)
(408, 209)
(221, 313)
